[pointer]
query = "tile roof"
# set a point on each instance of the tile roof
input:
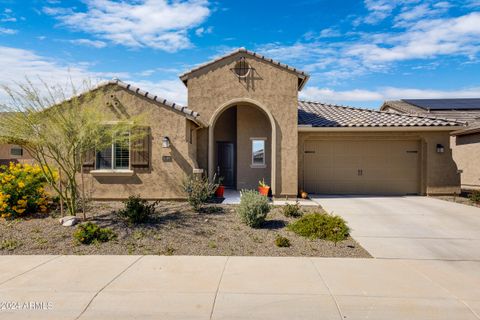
(458, 115)
(318, 114)
(150, 96)
(471, 129)
(303, 76)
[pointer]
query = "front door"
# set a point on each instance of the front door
(226, 163)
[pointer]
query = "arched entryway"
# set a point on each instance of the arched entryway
(242, 140)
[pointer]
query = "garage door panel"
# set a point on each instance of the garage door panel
(386, 167)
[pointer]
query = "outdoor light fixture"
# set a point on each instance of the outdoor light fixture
(166, 142)
(440, 148)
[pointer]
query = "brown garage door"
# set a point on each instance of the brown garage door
(362, 167)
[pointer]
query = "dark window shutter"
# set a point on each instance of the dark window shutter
(89, 161)
(140, 149)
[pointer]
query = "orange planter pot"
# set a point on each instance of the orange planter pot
(219, 192)
(264, 191)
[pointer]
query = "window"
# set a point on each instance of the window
(16, 151)
(116, 156)
(258, 152)
(242, 68)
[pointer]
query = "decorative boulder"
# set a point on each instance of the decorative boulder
(68, 221)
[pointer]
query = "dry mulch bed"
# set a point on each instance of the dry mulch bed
(174, 230)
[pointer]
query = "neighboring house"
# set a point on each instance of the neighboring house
(13, 153)
(244, 122)
(465, 142)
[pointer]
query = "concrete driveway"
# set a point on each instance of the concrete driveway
(410, 227)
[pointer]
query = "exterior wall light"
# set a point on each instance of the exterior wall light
(440, 148)
(166, 142)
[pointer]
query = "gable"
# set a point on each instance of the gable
(239, 54)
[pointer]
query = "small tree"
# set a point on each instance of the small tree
(58, 126)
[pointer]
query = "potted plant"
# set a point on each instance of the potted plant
(263, 188)
(303, 194)
(220, 189)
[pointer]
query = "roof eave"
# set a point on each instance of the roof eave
(307, 128)
(464, 132)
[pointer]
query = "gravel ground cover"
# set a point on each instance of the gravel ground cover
(463, 199)
(174, 230)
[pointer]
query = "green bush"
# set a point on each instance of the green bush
(320, 226)
(292, 210)
(282, 242)
(92, 233)
(253, 208)
(137, 210)
(9, 244)
(474, 196)
(199, 191)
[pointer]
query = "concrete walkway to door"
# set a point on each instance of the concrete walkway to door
(410, 227)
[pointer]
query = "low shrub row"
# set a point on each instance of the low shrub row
(321, 226)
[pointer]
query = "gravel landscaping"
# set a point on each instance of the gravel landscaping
(463, 199)
(174, 230)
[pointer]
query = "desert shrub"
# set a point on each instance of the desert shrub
(292, 210)
(474, 196)
(282, 242)
(92, 233)
(22, 190)
(320, 226)
(253, 208)
(199, 191)
(9, 244)
(137, 210)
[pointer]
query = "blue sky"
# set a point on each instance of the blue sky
(357, 52)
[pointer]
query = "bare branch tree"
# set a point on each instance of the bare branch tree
(58, 126)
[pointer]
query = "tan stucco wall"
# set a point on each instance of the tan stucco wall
(252, 123)
(466, 153)
(164, 180)
(269, 86)
(6, 157)
(439, 173)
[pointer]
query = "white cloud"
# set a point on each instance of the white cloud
(425, 39)
(365, 52)
(384, 93)
(173, 90)
(378, 10)
(158, 24)
(18, 64)
(200, 32)
(89, 43)
(7, 16)
(150, 72)
(7, 31)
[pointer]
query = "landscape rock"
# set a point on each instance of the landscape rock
(68, 221)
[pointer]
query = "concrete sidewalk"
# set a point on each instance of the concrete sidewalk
(180, 287)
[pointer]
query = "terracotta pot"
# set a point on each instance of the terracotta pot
(264, 191)
(304, 195)
(219, 192)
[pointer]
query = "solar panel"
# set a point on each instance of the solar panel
(446, 104)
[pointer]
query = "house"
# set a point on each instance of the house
(465, 142)
(244, 122)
